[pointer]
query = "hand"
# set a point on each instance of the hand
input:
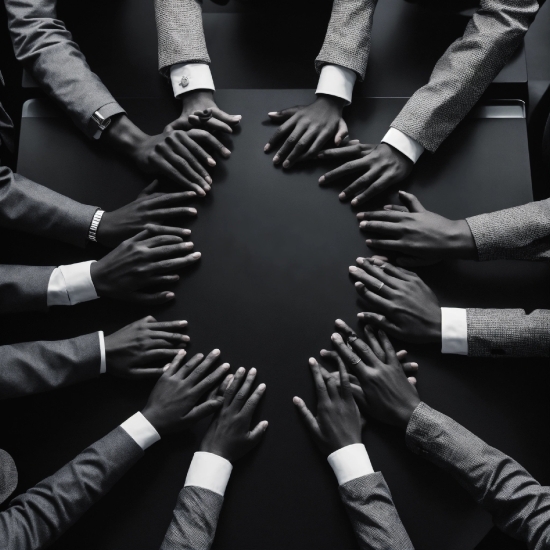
(131, 351)
(338, 422)
(199, 110)
(229, 435)
(404, 306)
(306, 129)
(357, 345)
(173, 403)
(149, 208)
(417, 233)
(390, 397)
(380, 166)
(150, 258)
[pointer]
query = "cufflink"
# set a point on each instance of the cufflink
(184, 82)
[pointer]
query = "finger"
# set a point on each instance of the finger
(341, 133)
(161, 240)
(396, 208)
(150, 189)
(381, 216)
(308, 418)
(195, 155)
(345, 384)
(290, 143)
(197, 374)
(387, 229)
(342, 153)
(391, 357)
(316, 147)
(166, 200)
(234, 387)
(166, 169)
(210, 141)
(321, 388)
(344, 170)
(411, 202)
(179, 159)
(372, 283)
(409, 368)
(300, 148)
(257, 433)
(253, 400)
(281, 133)
(359, 396)
(387, 268)
(161, 234)
(153, 324)
(375, 188)
(373, 343)
(144, 374)
(175, 364)
(242, 395)
(163, 280)
(213, 380)
(350, 358)
(360, 183)
(380, 322)
(285, 114)
(158, 253)
(332, 387)
(175, 264)
(203, 410)
(147, 299)
(212, 124)
(412, 380)
(191, 364)
(232, 120)
(376, 302)
(174, 337)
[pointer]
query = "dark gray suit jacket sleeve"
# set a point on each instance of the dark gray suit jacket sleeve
(195, 519)
(465, 71)
(24, 287)
(47, 49)
(32, 208)
(519, 233)
(373, 515)
(36, 367)
(38, 517)
(519, 505)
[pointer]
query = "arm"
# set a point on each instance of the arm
(519, 505)
(24, 288)
(46, 48)
(465, 71)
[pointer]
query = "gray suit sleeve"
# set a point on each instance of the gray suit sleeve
(373, 515)
(38, 517)
(36, 367)
(47, 50)
(465, 71)
(519, 233)
(32, 208)
(508, 333)
(24, 288)
(180, 33)
(195, 519)
(519, 505)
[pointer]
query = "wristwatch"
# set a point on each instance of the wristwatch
(101, 121)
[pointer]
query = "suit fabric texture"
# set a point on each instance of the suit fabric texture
(518, 504)
(38, 517)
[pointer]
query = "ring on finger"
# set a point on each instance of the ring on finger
(380, 287)
(352, 338)
(356, 361)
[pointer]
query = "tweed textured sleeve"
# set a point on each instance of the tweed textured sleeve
(508, 333)
(194, 521)
(180, 33)
(373, 515)
(38, 517)
(347, 42)
(465, 71)
(519, 505)
(24, 287)
(519, 233)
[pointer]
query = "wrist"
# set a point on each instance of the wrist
(433, 331)
(332, 100)
(198, 99)
(97, 277)
(406, 411)
(124, 135)
(463, 241)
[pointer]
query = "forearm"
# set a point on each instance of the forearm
(29, 207)
(123, 136)
(39, 516)
(517, 502)
(24, 288)
(465, 71)
(520, 233)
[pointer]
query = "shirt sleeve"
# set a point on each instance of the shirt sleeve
(70, 285)
(350, 462)
(209, 471)
(454, 331)
(103, 363)
(337, 81)
(140, 430)
(402, 142)
(186, 77)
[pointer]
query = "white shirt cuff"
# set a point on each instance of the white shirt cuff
(140, 430)
(402, 142)
(350, 463)
(337, 81)
(209, 471)
(454, 330)
(103, 364)
(57, 290)
(78, 282)
(187, 77)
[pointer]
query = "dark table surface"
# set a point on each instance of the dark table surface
(271, 282)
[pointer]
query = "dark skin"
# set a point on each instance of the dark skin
(231, 434)
(151, 207)
(152, 257)
(305, 129)
(136, 350)
(375, 167)
(185, 393)
(178, 155)
(405, 307)
(338, 421)
(415, 234)
(390, 397)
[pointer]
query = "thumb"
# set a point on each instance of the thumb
(283, 115)
(379, 321)
(411, 202)
(342, 132)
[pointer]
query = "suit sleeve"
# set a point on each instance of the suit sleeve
(518, 504)
(195, 519)
(348, 38)
(24, 288)
(508, 332)
(38, 517)
(32, 208)
(519, 233)
(36, 367)
(373, 515)
(465, 71)
(47, 50)
(180, 33)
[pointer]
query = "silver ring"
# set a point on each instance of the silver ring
(380, 287)
(352, 338)
(356, 362)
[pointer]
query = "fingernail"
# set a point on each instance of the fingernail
(226, 151)
(339, 322)
(185, 338)
(387, 207)
(336, 337)
(201, 192)
(267, 147)
(182, 352)
(261, 387)
(165, 368)
(183, 323)
(368, 241)
(170, 295)
(211, 161)
(415, 365)
(322, 179)
(193, 210)
(187, 246)
(401, 192)
(238, 117)
(225, 366)
(208, 180)
(361, 215)
(320, 155)
(252, 371)
(359, 260)
(265, 424)
(359, 285)
(196, 255)
(296, 400)
(352, 269)
(286, 164)
(273, 113)
(275, 159)
(207, 187)
(354, 202)
(361, 315)
(323, 352)
(216, 352)
(312, 361)
(187, 232)
(363, 224)
(240, 370)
